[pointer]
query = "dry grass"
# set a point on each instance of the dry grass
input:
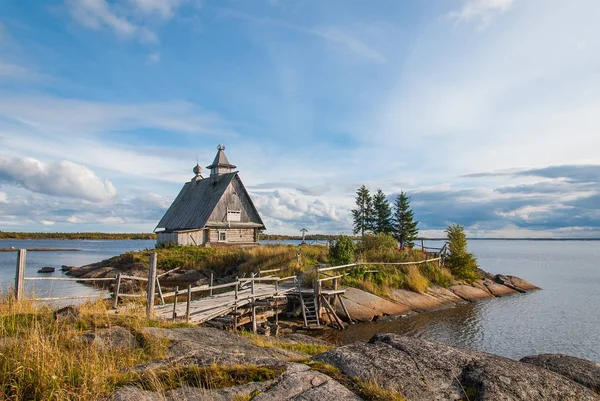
(415, 280)
(41, 359)
(207, 377)
(302, 348)
(368, 390)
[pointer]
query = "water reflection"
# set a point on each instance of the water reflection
(457, 326)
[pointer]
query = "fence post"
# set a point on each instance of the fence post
(335, 287)
(189, 301)
(212, 280)
(151, 285)
(277, 303)
(422, 245)
(117, 289)
(20, 274)
(254, 329)
(175, 303)
(235, 307)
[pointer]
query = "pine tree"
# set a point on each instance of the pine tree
(383, 214)
(363, 214)
(462, 264)
(405, 228)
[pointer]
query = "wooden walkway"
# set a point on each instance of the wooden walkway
(207, 308)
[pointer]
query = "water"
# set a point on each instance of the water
(562, 318)
(89, 252)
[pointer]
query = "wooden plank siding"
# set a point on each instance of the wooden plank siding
(234, 235)
(234, 197)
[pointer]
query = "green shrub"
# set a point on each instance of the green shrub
(379, 242)
(341, 252)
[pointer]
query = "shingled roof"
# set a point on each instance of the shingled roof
(196, 201)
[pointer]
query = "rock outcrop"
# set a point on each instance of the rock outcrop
(424, 370)
(365, 307)
(584, 372)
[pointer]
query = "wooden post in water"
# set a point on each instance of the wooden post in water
(20, 274)
(212, 280)
(175, 303)
(151, 285)
(117, 289)
(189, 301)
(254, 328)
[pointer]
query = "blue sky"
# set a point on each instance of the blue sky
(487, 112)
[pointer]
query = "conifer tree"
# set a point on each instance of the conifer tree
(405, 228)
(383, 214)
(462, 264)
(363, 214)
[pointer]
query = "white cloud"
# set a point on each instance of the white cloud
(481, 11)
(3, 197)
(46, 222)
(153, 57)
(97, 14)
(341, 38)
(163, 8)
(14, 71)
(64, 179)
(50, 114)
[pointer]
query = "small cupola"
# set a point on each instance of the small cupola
(198, 172)
(220, 165)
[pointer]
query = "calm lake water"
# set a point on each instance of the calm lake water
(88, 252)
(562, 318)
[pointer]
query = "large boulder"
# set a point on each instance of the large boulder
(113, 337)
(365, 307)
(584, 372)
(516, 283)
(498, 290)
(470, 293)
(182, 280)
(425, 370)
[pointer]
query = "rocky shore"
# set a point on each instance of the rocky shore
(401, 367)
(365, 307)
(362, 305)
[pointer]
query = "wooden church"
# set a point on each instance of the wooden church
(216, 210)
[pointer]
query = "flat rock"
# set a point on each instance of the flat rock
(47, 269)
(421, 302)
(470, 293)
(365, 307)
(445, 295)
(299, 382)
(498, 290)
(205, 345)
(101, 272)
(516, 283)
(425, 370)
(582, 371)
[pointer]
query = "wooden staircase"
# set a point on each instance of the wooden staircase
(309, 310)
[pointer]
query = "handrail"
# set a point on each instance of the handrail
(399, 263)
(325, 269)
(68, 279)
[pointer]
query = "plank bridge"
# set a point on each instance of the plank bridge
(235, 299)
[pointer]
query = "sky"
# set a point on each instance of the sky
(486, 112)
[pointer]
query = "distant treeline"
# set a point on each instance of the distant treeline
(76, 236)
(311, 237)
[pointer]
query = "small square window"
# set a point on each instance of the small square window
(222, 236)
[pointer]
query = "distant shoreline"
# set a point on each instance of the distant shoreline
(85, 236)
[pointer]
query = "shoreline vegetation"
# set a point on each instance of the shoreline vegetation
(6, 235)
(91, 352)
